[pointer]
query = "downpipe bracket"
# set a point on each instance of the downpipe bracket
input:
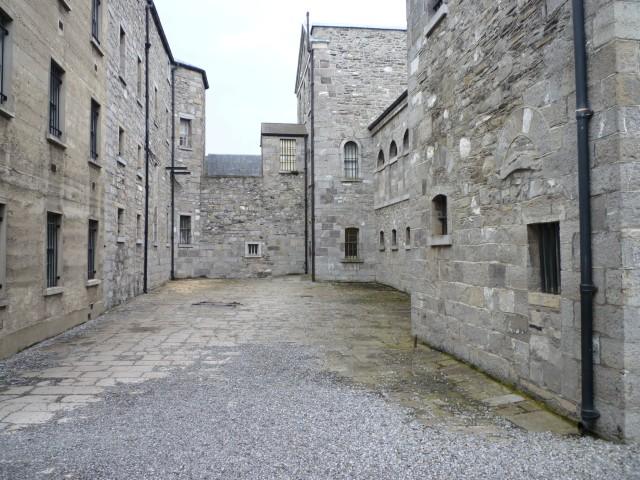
(584, 113)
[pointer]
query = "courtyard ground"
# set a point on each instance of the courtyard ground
(277, 379)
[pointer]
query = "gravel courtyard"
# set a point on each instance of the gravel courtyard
(274, 379)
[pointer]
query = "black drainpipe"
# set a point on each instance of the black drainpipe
(172, 177)
(146, 163)
(312, 155)
(306, 208)
(589, 414)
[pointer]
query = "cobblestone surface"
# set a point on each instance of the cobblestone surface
(274, 379)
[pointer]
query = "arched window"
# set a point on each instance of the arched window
(393, 150)
(405, 142)
(382, 245)
(351, 243)
(381, 159)
(351, 170)
(440, 217)
(407, 240)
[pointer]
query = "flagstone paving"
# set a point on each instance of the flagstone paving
(209, 338)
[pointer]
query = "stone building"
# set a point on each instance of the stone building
(73, 154)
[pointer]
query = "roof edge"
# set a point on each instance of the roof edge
(193, 68)
(361, 27)
(158, 22)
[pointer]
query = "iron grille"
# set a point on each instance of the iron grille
(185, 230)
(253, 249)
(351, 243)
(91, 249)
(351, 161)
(95, 118)
(55, 95)
(95, 19)
(287, 155)
(53, 234)
(549, 242)
(4, 33)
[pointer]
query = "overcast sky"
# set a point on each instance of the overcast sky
(250, 51)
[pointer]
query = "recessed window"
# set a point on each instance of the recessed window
(381, 241)
(407, 237)
(253, 250)
(440, 222)
(120, 224)
(123, 53)
(3, 250)
(380, 159)
(139, 228)
(94, 130)
(351, 238)
(185, 133)
(139, 79)
(185, 230)
(394, 239)
(121, 142)
(544, 251)
(155, 226)
(96, 11)
(155, 105)
(54, 224)
(351, 170)
(287, 155)
(405, 142)
(393, 150)
(91, 249)
(56, 100)
(140, 158)
(5, 57)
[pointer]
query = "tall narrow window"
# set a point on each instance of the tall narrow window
(155, 105)
(155, 226)
(91, 249)
(440, 216)
(185, 133)
(405, 142)
(53, 249)
(55, 100)
(120, 224)
(544, 244)
(123, 53)
(407, 238)
(95, 122)
(121, 142)
(3, 250)
(380, 159)
(351, 160)
(185, 230)
(287, 155)
(351, 243)
(139, 79)
(95, 19)
(139, 228)
(394, 239)
(381, 242)
(393, 150)
(4, 57)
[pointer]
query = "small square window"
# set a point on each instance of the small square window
(253, 250)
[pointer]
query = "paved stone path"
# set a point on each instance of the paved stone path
(204, 366)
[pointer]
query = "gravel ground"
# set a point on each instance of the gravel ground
(270, 412)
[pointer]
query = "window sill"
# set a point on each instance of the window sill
(93, 283)
(55, 141)
(65, 5)
(96, 46)
(139, 242)
(185, 246)
(441, 241)
(122, 81)
(291, 172)
(352, 180)
(6, 113)
(351, 260)
(53, 291)
(94, 163)
(4, 303)
(436, 19)
(394, 249)
(187, 149)
(155, 245)
(121, 240)
(121, 161)
(546, 300)
(407, 247)
(382, 249)
(253, 257)
(139, 175)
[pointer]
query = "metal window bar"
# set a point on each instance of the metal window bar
(287, 155)
(91, 249)
(351, 161)
(351, 243)
(95, 117)
(53, 227)
(95, 19)
(3, 34)
(55, 95)
(549, 242)
(253, 249)
(185, 230)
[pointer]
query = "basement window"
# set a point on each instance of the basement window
(544, 257)
(253, 250)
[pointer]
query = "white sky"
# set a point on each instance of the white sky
(249, 49)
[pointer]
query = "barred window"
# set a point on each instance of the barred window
(91, 249)
(351, 243)
(3, 249)
(185, 230)
(544, 244)
(253, 250)
(440, 216)
(287, 155)
(4, 57)
(53, 249)
(55, 100)
(95, 19)
(351, 170)
(185, 133)
(95, 122)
